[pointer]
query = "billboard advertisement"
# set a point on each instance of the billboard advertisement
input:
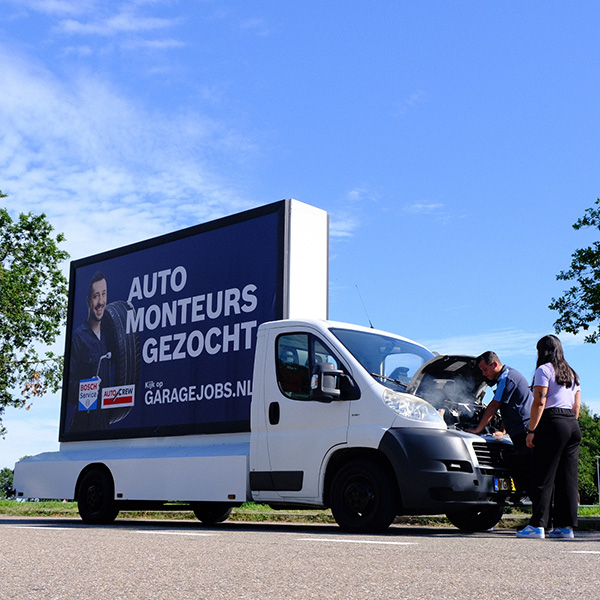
(161, 334)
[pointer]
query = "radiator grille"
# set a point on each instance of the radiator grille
(492, 456)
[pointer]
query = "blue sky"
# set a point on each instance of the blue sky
(453, 144)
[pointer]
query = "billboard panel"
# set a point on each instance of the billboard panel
(161, 334)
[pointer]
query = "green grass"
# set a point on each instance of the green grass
(249, 511)
(589, 511)
(38, 509)
(583, 511)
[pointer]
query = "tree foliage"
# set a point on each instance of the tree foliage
(33, 304)
(6, 483)
(579, 310)
(589, 449)
(579, 306)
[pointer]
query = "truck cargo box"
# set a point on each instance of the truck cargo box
(178, 316)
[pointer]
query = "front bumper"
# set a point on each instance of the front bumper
(441, 470)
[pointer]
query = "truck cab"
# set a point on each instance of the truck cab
(357, 420)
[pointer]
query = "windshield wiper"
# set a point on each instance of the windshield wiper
(386, 378)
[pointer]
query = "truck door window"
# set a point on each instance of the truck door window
(322, 355)
(297, 355)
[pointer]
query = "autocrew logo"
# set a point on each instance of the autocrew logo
(118, 396)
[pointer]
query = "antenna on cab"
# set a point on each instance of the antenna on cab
(364, 307)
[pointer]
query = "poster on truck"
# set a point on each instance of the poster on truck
(161, 334)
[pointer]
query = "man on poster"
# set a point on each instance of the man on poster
(89, 365)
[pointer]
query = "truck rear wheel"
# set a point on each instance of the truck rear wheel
(211, 512)
(95, 498)
(476, 518)
(363, 497)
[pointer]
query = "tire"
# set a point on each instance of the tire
(476, 518)
(124, 348)
(211, 513)
(95, 498)
(363, 497)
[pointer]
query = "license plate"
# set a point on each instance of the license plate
(504, 484)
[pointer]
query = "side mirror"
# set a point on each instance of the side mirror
(323, 382)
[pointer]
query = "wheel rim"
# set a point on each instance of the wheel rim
(94, 497)
(359, 496)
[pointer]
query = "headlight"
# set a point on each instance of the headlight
(410, 407)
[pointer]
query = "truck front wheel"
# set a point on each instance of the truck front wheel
(363, 497)
(95, 498)
(476, 518)
(211, 512)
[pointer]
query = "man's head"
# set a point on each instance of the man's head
(96, 298)
(490, 365)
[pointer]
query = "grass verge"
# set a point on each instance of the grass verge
(255, 513)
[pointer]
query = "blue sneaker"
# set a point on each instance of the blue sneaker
(531, 532)
(562, 532)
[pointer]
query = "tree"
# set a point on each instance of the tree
(589, 449)
(579, 307)
(6, 483)
(33, 304)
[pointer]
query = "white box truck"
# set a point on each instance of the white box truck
(201, 369)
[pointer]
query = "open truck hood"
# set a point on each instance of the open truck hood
(454, 385)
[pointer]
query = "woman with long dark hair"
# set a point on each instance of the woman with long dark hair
(554, 435)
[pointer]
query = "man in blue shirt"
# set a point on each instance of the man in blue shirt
(513, 398)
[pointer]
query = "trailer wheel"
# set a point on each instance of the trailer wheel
(476, 518)
(124, 348)
(211, 512)
(95, 498)
(363, 497)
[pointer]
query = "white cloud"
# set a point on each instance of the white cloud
(505, 342)
(162, 44)
(344, 221)
(96, 17)
(256, 25)
(422, 208)
(123, 22)
(343, 227)
(81, 51)
(434, 210)
(104, 170)
(412, 101)
(120, 20)
(56, 7)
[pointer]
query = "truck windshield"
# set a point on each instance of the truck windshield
(390, 360)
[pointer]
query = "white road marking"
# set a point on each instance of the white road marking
(356, 541)
(177, 533)
(55, 528)
(40, 527)
(584, 552)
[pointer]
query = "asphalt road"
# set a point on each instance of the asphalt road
(55, 559)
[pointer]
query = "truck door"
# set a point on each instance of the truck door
(300, 431)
